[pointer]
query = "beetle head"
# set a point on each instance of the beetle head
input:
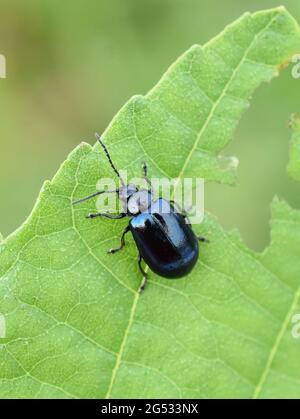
(134, 201)
(125, 192)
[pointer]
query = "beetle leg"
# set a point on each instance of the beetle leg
(107, 215)
(122, 241)
(145, 275)
(203, 239)
(145, 170)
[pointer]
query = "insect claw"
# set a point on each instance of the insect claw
(203, 240)
(144, 283)
(91, 216)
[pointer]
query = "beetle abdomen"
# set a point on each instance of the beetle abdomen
(167, 244)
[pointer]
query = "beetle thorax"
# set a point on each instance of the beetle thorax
(134, 202)
(139, 202)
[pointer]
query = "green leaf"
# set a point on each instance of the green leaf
(294, 164)
(76, 325)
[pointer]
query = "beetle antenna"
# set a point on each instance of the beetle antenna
(109, 158)
(93, 196)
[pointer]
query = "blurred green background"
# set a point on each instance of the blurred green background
(72, 65)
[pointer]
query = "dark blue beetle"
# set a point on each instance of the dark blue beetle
(164, 238)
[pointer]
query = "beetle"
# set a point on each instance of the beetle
(163, 236)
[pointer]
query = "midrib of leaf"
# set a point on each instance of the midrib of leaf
(274, 349)
(180, 176)
(277, 342)
(123, 344)
(135, 300)
(223, 94)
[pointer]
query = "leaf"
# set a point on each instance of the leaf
(294, 164)
(76, 326)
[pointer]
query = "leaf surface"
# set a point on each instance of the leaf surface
(76, 325)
